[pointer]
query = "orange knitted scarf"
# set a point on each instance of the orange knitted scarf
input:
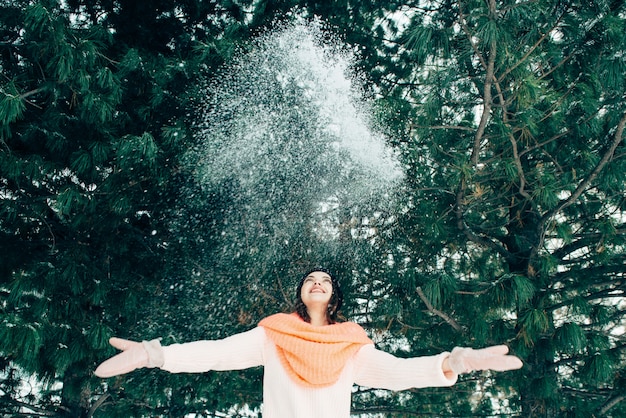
(313, 356)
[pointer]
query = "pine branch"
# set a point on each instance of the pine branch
(582, 393)
(606, 158)
(610, 403)
(580, 243)
(596, 272)
(452, 127)
(409, 412)
(467, 231)
(36, 411)
(560, 134)
(97, 404)
(520, 170)
(599, 295)
(530, 51)
(583, 185)
(437, 312)
(487, 99)
(470, 36)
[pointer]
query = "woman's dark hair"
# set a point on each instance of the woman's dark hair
(336, 299)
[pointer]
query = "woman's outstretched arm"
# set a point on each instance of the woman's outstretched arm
(375, 368)
(239, 351)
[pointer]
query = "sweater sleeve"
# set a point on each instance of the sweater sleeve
(237, 352)
(378, 369)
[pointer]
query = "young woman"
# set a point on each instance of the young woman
(310, 360)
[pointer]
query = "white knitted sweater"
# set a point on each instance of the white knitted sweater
(283, 398)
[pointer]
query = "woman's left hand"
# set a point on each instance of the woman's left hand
(464, 360)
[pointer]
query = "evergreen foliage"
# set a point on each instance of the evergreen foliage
(509, 119)
(514, 142)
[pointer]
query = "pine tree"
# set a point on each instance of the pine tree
(509, 120)
(514, 226)
(88, 127)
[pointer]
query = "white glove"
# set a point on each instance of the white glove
(465, 360)
(134, 355)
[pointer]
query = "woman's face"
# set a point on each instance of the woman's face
(317, 288)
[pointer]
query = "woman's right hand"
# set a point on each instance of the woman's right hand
(134, 355)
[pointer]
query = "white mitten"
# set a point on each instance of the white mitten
(134, 355)
(465, 360)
